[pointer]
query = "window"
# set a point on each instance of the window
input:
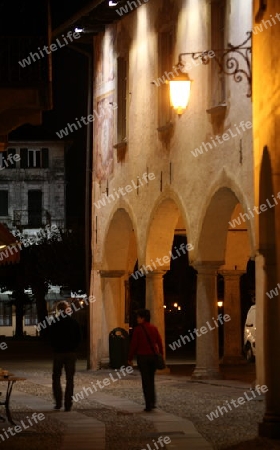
(166, 47)
(35, 209)
(4, 203)
(7, 159)
(34, 158)
(30, 317)
(5, 314)
(218, 9)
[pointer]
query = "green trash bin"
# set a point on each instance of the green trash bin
(118, 348)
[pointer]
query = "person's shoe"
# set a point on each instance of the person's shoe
(57, 407)
(148, 409)
(67, 409)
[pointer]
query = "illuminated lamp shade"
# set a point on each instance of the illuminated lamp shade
(180, 89)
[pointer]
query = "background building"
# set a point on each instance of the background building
(32, 185)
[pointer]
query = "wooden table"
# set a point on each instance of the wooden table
(10, 380)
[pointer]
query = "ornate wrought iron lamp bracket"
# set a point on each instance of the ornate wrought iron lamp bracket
(228, 61)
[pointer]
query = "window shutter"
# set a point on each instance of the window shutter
(11, 162)
(23, 158)
(121, 99)
(45, 158)
(165, 46)
(218, 16)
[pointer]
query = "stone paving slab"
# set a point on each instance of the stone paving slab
(86, 433)
(182, 432)
(82, 432)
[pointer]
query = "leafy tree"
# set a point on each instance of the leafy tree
(53, 257)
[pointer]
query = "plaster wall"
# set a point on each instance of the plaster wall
(193, 178)
(186, 181)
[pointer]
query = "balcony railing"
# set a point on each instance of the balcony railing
(29, 219)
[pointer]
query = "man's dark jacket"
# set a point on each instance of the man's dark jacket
(65, 335)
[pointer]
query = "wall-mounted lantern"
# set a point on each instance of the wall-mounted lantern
(180, 90)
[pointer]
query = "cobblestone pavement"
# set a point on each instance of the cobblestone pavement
(176, 395)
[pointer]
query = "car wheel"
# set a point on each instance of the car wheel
(249, 354)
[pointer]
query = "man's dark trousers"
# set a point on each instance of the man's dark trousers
(147, 367)
(68, 361)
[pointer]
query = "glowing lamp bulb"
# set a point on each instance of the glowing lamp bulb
(180, 90)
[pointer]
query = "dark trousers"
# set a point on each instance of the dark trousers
(147, 367)
(68, 361)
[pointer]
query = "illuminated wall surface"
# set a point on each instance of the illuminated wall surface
(200, 164)
(192, 157)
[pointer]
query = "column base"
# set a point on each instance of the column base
(104, 363)
(233, 360)
(202, 373)
(270, 427)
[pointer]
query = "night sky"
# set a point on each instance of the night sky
(69, 96)
(69, 89)
(64, 9)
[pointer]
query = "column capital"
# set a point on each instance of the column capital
(112, 273)
(207, 267)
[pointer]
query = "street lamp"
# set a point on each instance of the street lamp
(180, 89)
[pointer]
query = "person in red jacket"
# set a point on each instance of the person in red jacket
(146, 342)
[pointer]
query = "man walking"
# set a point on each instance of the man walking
(65, 337)
(145, 343)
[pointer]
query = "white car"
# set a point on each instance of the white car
(250, 335)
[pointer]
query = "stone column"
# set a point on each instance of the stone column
(155, 301)
(232, 307)
(94, 322)
(270, 426)
(261, 284)
(207, 343)
(113, 308)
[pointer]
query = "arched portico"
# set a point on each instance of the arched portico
(219, 249)
(166, 217)
(116, 263)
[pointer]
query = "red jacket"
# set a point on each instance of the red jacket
(140, 345)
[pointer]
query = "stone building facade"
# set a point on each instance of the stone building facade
(32, 185)
(157, 174)
(266, 84)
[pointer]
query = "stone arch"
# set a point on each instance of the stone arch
(224, 201)
(223, 198)
(120, 243)
(118, 259)
(166, 214)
